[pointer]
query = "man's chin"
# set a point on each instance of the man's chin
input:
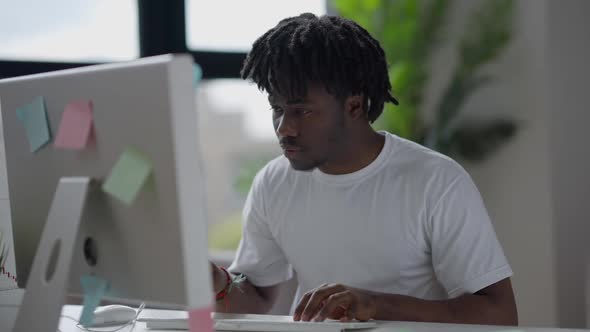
(300, 165)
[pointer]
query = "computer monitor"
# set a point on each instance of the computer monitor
(152, 250)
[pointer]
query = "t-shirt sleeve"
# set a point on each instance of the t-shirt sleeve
(466, 253)
(259, 257)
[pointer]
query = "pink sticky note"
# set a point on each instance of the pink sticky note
(75, 128)
(199, 320)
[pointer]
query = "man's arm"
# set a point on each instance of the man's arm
(493, 305)
(245, 299)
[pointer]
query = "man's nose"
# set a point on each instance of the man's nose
(287, 126)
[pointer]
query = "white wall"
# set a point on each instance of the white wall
(535, 187)
(567, 79)
(515, 182)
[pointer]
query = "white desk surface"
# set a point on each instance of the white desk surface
(9, 309)
(67, 325)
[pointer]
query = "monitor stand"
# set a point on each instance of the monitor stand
(47, 285)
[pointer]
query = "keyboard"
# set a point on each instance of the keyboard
(263, 323)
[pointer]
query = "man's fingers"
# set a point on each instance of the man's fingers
(353, 310)
(302, 304)
(334, 302)
(319, 296)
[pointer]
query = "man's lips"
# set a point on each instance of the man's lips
(291, 148)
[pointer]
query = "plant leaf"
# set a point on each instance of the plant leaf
(477, 142)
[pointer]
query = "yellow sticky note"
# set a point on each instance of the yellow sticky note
(128, 176)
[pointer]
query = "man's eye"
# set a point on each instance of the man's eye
(302, 111)
(276, 110)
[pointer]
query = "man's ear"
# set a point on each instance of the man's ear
(354, 107)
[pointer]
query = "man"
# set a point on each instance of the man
(375, 226)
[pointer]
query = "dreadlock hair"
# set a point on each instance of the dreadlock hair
(329, 50)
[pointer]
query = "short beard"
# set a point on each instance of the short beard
(305, 166)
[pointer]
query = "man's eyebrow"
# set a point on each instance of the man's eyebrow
(296, 101)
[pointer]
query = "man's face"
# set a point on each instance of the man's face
(311, 130)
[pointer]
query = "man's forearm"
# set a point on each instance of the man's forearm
(492, 305)
(466, 309)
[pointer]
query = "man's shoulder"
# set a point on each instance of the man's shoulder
(415, 158)
(415, 161)
(278, 164)
(426, 175)
(274, 173)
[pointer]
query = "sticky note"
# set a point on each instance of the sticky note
(94, 289)
(128, 176)
(199, 320)
(197, 73)
(75, 126)
(33, 116)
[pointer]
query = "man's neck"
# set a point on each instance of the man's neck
(360, 151)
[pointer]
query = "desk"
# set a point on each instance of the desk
(10, 301)
(67, 325)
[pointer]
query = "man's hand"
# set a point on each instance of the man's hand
(336, 301)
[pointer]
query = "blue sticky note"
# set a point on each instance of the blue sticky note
(94, 289)
(33, 116)
(197, 74)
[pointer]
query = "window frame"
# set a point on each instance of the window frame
(162, 30)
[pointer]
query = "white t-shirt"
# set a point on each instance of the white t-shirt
(412, 222)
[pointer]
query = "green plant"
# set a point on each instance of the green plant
(410, 31)
(3, 250)
(226, 235)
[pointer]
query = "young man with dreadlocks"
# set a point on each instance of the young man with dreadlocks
(375, 226)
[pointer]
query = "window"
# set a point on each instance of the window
(233, 25)
(236, 125)
(68, 30)
(237, 139)
(235, 118)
